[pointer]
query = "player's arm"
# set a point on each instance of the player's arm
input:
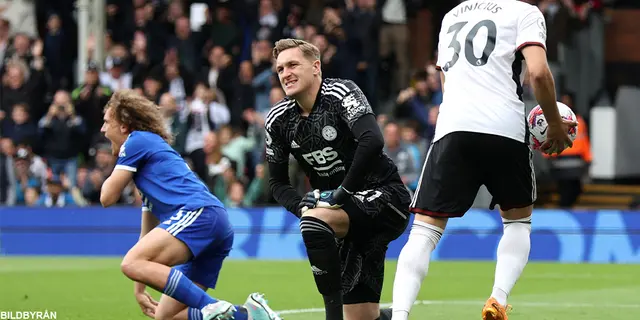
(531, 43)
(542, 82)
(114, 185)
(357, 113)
(149, 221)
(277, 154)
(133, 154)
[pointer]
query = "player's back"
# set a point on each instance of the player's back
(478, 52)
(162, 176)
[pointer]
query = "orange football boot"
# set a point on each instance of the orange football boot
(494, 311)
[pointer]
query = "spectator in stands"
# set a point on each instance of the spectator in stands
(293, 28)
(417, 102)
(257, 190)
(152, 86)
(56, 51)
(116, 77)
(414, 141)
(220, 74)
(223, 32)
(236, 147)
(556, 16)
(407, 161)
(262, 68)
(20, 48)
(222, 182)
(199, 122)
(361, 24)
(7, 151)
(236, 196)
(155, 30)
(255, 135)
(55, 194)
(216, 162)
(104, 164)
(20, 127)
(218, 111)
(22, 84)
(330, 63)
(36, 165)
(394, 40)
(141, 62)
(177, 80)
(241, 197)
(268, 22)
(185, 44)
(310, 31)
(21, 14)
(243, 93)
(60, 128)
(176, 127)
(5, 29)
(25, 179)
(89, 99)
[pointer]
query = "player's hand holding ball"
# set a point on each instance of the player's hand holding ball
(555, 136)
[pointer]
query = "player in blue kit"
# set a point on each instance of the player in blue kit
(185, 233)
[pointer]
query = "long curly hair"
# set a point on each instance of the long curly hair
(138, 113)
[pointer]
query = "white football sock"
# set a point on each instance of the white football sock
(513, 255)
(413, 264)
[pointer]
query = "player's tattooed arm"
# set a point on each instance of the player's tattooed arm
(113, 186)
(357, 112)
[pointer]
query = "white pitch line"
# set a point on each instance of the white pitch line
(480, 303)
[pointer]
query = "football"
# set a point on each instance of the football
(538, 124)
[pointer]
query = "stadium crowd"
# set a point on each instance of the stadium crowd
(210, 70)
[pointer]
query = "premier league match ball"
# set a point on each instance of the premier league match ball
(538, 124)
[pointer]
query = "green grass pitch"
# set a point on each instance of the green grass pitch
(94, 288)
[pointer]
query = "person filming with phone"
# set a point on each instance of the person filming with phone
(59, 129)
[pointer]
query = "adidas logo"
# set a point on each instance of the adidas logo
(294, 145)
(317, 271)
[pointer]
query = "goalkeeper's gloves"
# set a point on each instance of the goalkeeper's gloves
(309, 201)
(333, 199)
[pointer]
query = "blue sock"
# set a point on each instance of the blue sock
(240, 314)
(194, 314)
(184, 290)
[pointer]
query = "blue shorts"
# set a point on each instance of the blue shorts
(209, 235)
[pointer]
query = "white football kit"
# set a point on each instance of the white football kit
(478, 52)
(480, 140)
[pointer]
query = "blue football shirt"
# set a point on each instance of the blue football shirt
(164, 179)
